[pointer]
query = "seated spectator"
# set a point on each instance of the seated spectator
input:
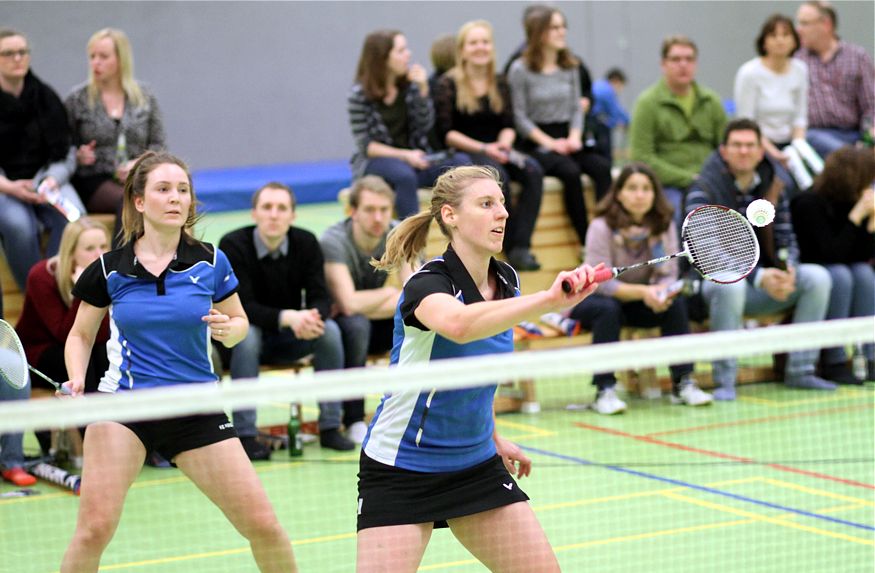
(607, 111)
(545, 88)
(34, 150)
(113, 119)
(736, 174)
(443, 58)
(391, 115)
(676, 122)
(282, 288)
(772, 89)
(11, 445)
(834, 223)
(363, 304)
(841, 81)
(475, 115)
(634, 224)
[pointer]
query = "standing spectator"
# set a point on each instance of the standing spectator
(34, 150)
(114, 119)
(841, 79)
(607, 111)
(282, 288)
(634, 224)
(545, 87)
(735, 175)
(835, 223)
(677, 122)
(391, 115)
(772, 89)
(475, 115)
(363, 303)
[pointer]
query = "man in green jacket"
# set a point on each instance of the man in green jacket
(677, 123)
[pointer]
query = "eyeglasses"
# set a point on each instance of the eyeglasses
(23, 53)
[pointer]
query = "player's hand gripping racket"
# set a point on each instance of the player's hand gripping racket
(13, 361)
(719, 243)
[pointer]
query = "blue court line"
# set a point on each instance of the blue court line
(703, 488)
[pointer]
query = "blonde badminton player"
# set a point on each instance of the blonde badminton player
(433, 458)
(169, 293)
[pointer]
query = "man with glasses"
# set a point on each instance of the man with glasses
(677, 122)
(735, 175)
(841, 81)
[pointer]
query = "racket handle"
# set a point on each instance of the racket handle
(601, 275)
(59, 387)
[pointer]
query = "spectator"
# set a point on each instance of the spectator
(391, 115)
(772, 89)
(835, 223)
(443, 58)
(113, 119)
(736, 174)
(363, 303)
(49, 311)
(282, 287)
(34, 150)
(841, 80)
(607, 111)
(475, 115)
(545, 87)
(676, 122)
(634, 224)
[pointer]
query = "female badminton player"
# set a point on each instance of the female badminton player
(167, 290)
(433, 459)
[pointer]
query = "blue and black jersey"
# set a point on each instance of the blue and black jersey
(157, 335)
(446, 430)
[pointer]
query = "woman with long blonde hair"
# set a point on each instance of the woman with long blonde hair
(113, 118)
(433, 459)
(474, 115)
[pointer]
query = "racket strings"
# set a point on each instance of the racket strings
(13, 364)
(722, 245)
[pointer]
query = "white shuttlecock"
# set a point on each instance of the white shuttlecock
(760, 213)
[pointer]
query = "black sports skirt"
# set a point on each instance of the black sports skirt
(395, 496)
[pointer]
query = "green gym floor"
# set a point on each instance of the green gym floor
(780, 480)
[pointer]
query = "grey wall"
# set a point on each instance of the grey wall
(247, 83)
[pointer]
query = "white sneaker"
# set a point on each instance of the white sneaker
(357, 432)
(530, 407)
(691, 395)
(607, 402)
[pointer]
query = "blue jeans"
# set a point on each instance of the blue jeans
(728, 304)
(676, 197)
(283, 348)
(406, 180)
(361, 336)
(20, 227)
(11, 451)
(853, 295)
(825, 140)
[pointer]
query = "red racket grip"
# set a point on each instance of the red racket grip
(601, 275)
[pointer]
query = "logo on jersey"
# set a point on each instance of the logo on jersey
(508, 486)
(226, 426)
(194, 279)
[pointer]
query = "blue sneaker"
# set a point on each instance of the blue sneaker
(809, 382)
(724, 393)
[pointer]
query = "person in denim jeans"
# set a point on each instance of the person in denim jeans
(363, 303)
(282, 287)
(735, 175)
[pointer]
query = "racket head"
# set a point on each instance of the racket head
(13, 361)
(720, 244)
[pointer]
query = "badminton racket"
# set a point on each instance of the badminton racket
(718, 242)
(13, 361)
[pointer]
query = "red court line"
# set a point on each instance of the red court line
(713, 454)
(763, 420)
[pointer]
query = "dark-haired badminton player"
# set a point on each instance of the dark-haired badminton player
(168, 295)
(433, 458)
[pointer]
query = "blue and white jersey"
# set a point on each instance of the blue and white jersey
(447, 430)
(157, 337)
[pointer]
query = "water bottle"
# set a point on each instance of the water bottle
(296, 448)
(121, 149)
(859, 362)
(66, 207)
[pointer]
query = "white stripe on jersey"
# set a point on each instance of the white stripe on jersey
(387, 432)
(110, 380)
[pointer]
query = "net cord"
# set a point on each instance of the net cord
(447, 374)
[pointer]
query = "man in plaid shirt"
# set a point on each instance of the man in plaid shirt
(841, 79)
